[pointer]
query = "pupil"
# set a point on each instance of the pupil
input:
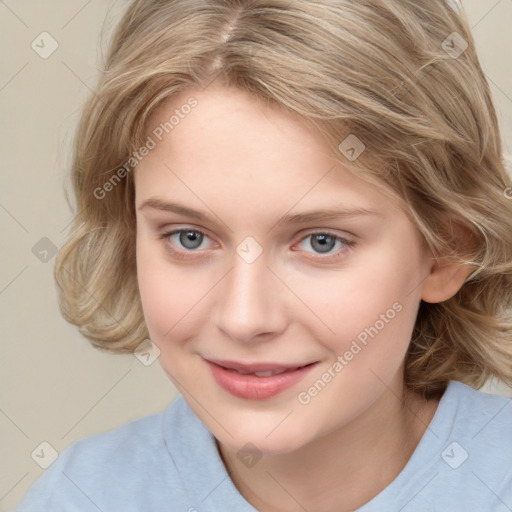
(326, 243)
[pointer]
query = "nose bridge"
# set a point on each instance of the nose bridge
(248, 302)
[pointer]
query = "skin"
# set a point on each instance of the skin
(246, 164)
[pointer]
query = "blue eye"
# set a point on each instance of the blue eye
(324, 242)
(189, 239)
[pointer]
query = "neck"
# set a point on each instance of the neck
(342, 470)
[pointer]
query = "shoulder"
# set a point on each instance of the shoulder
(478, 427)
(477, 413)
(474, 466)
(463, 463)
(131, 443)
(127, 468)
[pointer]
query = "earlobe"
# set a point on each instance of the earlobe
(445, 280)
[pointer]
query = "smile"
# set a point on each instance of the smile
(257, 381)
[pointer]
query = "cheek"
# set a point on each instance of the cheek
(371, 298)
(164, 294)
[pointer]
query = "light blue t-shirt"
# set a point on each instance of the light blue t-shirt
(169, 462)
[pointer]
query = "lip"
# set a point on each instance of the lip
(252, 387)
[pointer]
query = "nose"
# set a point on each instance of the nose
(251, 302)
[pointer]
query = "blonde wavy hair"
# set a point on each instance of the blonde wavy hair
(390, 72)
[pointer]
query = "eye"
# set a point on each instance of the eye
(324, 243)
(187, 240)
(182, 243)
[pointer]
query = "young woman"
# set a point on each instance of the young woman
(304, 206)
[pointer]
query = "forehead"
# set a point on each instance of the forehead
(235, 149)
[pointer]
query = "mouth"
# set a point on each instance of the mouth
(257, 381)
(258, 369)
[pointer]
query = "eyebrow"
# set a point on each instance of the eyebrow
(297, 218)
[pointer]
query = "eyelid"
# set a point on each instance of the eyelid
(326, 231)
(168, 233)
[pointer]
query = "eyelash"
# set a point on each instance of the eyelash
(186, 254)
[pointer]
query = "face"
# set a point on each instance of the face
(278, 328)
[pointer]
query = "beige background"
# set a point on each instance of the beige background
(54, 386)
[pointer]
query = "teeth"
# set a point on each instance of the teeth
(269, 373)
(266, 373)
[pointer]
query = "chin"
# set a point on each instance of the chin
(276, 439)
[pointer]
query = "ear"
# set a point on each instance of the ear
(448, 273)
(445, 280)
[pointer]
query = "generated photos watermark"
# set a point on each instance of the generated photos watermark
(356, 346)
(151, 142)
